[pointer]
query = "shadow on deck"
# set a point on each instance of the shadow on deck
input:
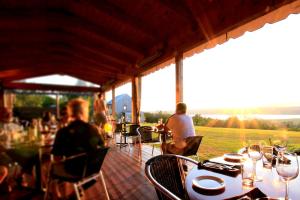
(124, 175)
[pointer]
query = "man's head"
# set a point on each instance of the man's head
(180, 108)
(100, 95)
(78, 109)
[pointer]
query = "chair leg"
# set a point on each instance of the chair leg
(104, 185)
(140, 148)
(48, 186)
(152, 149)
(76, 191)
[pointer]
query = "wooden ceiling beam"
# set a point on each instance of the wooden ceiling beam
(41, 41)
(105, 9)
(181, 9)
(102, 54)
(73, 24)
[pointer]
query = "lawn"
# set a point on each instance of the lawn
(217, 141)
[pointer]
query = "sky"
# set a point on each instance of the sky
(260, 68)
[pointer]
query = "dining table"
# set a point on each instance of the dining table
(271, 185)
(31, 151)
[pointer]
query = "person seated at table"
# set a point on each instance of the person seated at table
(77, 137)
(6, 121)
(181, 125)
(25, 157)
(64, 118)
(4, 161)
(46, 118)
(3, 173)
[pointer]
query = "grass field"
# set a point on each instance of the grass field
(217, 141)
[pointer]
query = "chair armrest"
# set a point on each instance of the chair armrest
(66, 158)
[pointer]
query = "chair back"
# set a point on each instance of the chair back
(85, 164)
(147, 134)
(133, 129)
(165, 173)
(118, 128)
(192, 145)
(94, 161)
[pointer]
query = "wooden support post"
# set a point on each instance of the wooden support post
(136, 99)
(113, 102)
(57, 107)
(179, 77)
(1, 95)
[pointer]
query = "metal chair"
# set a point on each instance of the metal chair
(79, 170)
(167, 175)
(149, 136)
(132, 134)
(192, 146)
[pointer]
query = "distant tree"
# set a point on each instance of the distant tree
(28, 100)
(48, 101)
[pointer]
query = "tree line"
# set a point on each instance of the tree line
(231, 122)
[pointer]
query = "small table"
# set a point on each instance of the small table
(123, 131)
(163, 134)
(271, 185)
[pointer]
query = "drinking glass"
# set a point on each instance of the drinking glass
(255, 153)
(247, 173)
(267, 156)
(287, 167)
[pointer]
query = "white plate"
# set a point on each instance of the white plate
(233, 157)
(210, 183)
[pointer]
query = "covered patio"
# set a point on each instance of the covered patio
(111, 43)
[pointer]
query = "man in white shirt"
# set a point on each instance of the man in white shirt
(181, 126)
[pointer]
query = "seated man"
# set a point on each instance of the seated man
(78, 136)
(181, 126)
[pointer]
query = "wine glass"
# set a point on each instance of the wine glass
(280, 145)
(287, 167)
(255, 153)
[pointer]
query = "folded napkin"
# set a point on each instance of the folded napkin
(229, 170)
(252, 194)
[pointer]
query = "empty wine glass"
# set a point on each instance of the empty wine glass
(287, 167)
(255, 153)
(280, 145)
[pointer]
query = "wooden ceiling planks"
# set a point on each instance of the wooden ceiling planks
(107, 42)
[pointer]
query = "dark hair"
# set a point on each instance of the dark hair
(181, 107)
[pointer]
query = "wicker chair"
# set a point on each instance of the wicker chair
(166, 173)
(79, 170)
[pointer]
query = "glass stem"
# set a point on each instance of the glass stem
(254, 169)
(286, 190)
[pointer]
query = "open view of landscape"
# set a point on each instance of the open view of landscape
(241, 90)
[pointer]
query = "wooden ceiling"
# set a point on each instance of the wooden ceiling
(109, 41)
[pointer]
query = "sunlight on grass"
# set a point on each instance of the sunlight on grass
(217, 141)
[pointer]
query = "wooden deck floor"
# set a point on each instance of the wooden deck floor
(123, 173)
